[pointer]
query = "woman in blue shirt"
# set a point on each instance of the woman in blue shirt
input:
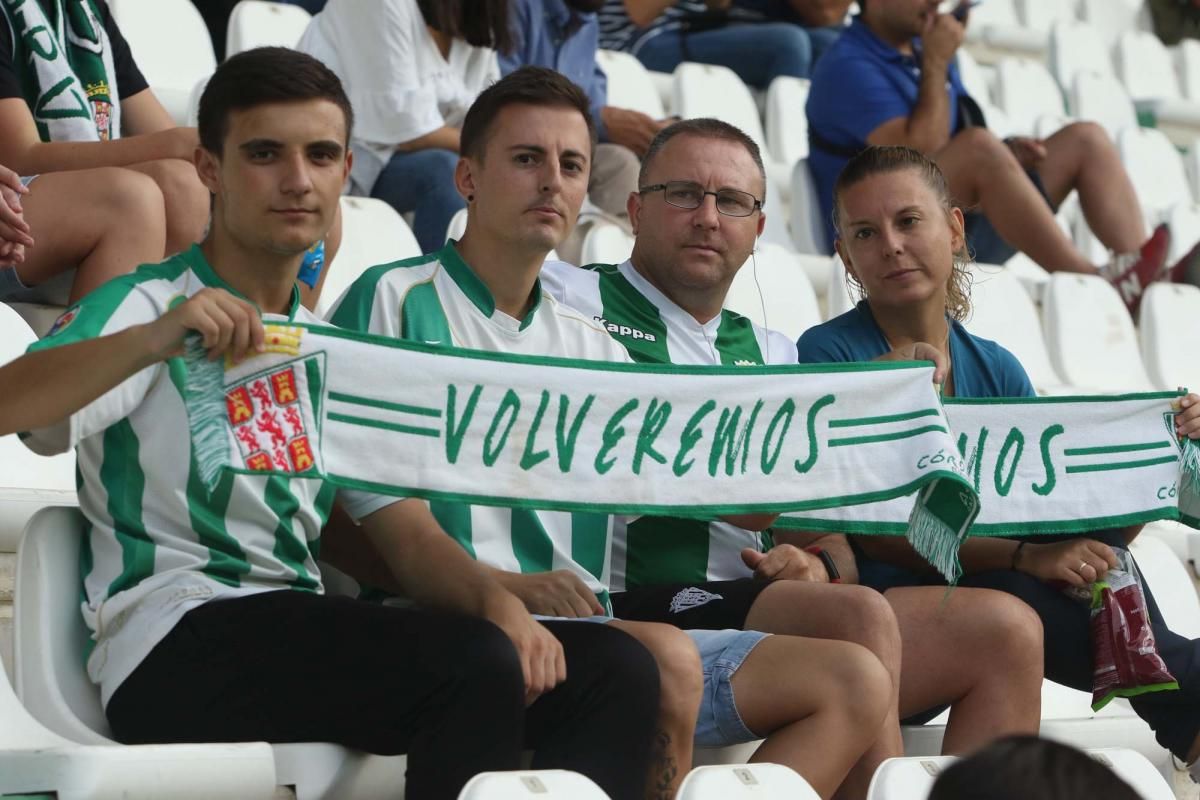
(902, 243)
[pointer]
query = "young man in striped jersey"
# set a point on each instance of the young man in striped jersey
(665, 305)
(206, 608)
(527, 144)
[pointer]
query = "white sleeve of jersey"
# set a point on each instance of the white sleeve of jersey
(137, 308)
(780, 349)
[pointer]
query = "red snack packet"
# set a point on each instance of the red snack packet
(1125, 659)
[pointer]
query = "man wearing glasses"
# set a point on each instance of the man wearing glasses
(665, 305)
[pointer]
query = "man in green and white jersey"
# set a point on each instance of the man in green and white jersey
(665, 305)
(526, 145)
(206, 609)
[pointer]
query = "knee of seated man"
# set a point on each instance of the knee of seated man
(1088, 135)
(183, 193)
(128, 194)
(1013, 624)
(985, 145)
(481, 652)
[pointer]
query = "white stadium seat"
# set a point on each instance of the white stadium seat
(707, 90)
(1041, 15)
(372, 233)
(1187, 68)
(27, 481)
(1156, 170)
(1028, 93)
(786, 122)
(908, 778)
(1144, 67)
(977, 83)
(994, 28)
(840, 297)
(806, 224)
(1100, 98)
(606, 243)
(1076, 47)
(1170, 328)
(258, 23)
(457, 226)
(750, 781)
(1136, 770)
(172, 63)
(546, 784)
(1002, 310)
(772, 289)
(629, 83)
(1111, 18)
(1090, 336)
(52, 683)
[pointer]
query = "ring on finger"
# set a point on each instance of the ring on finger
(1082, 565)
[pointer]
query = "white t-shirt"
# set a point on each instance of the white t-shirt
(654, 550)
(158, 543)
(398, 82)
(437, 299)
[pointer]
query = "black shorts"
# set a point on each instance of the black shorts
(708, 605)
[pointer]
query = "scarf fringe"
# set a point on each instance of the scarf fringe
(1189, 461)
(936, 541)
(205, 400)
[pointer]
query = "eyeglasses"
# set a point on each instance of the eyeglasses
(688, 195)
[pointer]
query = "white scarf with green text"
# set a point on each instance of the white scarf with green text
(858, 448)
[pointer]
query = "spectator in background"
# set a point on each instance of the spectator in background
(411, 68)
(72, 100)
(1030, 768)
(760, 40)
(892, 79)
(562, 35)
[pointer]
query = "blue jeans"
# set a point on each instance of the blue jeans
(422, 182)
(757, 52)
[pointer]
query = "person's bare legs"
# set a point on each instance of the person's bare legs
(682, 681)
(983, 172)
(185, 200)
(100, 222)
(1080, 156)
(818, 702)
(978, 650)
(850, 613)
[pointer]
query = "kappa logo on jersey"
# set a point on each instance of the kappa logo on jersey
(268, 421)
(624, 330)
(691, 597)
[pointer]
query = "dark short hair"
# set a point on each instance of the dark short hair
(260, 76)
(704, 128)
(482, 23)
(1032, 769)
(533, 86)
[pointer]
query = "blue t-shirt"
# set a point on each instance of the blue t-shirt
(860, 83)
(547, 33)
(981, 368)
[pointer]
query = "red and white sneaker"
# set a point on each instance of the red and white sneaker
(1131, 273)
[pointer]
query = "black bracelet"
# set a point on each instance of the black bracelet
(1016, 553)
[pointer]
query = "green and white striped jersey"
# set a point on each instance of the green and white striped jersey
(653, 329)
(437, 299)
(158, 543)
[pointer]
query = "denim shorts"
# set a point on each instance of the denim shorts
(53, 291)
(721, 655)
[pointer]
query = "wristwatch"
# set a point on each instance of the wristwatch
(827, 560)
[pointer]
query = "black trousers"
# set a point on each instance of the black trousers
(1173, 715)
(289, 666)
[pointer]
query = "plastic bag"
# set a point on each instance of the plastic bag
(1125, 659)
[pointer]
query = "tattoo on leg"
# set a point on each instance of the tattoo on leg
(663, 769)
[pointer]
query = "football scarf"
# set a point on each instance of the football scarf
(65, 63)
